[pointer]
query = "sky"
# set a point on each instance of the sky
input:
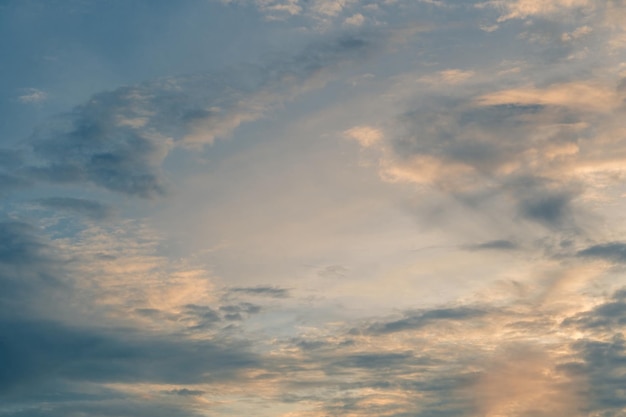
(312, 208)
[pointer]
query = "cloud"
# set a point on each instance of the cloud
(33, 95)
(262, 291)
(521, 381)
(49, 350)
(64, 358)
(603, 365)
(449, 76)
(612, 251)
(494, 245)
(10, 178)
(550, 209)
(524, 152)
(278, 8)
(366, 136)
(10, 182)
(185, 392)
(355, 20)
(579, 95)
(119, 139)
(522, 9)
(607, 316)
(30, 270)
(238, 312)
(91, 146)
(88, 208)
(331, 7)
(420, 319)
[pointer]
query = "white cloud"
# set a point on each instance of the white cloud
(449, 76)
(366, 135)
(522, 9)
(355, 20)
(33, 95)
(331, 7)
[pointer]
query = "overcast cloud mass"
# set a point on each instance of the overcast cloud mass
(313, 208)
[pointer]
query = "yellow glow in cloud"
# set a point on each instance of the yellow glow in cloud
(521, 380)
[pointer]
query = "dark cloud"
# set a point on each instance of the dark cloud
(550, 210)
(420, 319)
(30, 269)
(39, 351)
(263, 291)
(88, 208)
(604, 365)
(613, 251)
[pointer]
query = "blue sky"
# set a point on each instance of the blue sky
(312, 208)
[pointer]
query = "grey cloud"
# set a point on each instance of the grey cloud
(610, 315)
(374, 360)
(88, 208)
(264, 291)
(10, 182)
(420, 319)
(11, 158)
(10, 164)
(550, 210)
(29, 269)
(35, 352)
(456, 130)
(119, 139)
(601, 355)
(185, 392)
(45, 357)
(604, 365)
(613, 251)
(237, 312)
(93, 147)
(200, 317)
(493, 153)
(99, 405)
(19, 243)
(494, 245)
